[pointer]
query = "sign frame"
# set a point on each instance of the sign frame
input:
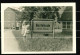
(32, 24)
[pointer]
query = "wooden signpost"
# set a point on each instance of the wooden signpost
(42, 26)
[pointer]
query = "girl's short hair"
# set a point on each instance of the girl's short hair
(25, 22)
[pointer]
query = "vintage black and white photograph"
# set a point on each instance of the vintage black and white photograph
(38, 28)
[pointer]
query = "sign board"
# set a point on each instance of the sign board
(42, 25)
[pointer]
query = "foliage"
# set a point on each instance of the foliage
(44, 43)
(30, 13)
(46, 12)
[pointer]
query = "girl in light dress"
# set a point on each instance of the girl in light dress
(24, 30)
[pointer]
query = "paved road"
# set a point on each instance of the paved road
(10, 43)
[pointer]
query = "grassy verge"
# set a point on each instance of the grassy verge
(43, 44)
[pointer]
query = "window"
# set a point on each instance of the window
(64, 25)
(67, 25)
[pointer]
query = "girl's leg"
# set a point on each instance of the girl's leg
(24, 38)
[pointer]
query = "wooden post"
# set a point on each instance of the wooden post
(31, 29)
(66, 24)
(53, 29)
(70, 24)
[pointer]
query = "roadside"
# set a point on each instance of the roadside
(43, 44)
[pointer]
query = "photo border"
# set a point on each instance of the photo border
(73, 4)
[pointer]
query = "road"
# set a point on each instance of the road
(10, 42)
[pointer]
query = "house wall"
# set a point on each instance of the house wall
(18, 16)
(9, 18)
(63, 26)
(58, 27)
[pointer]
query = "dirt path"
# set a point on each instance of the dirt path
(10, 43)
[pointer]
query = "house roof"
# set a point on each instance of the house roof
(67, 14)
(16, 11)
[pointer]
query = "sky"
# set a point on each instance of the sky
(16, 7)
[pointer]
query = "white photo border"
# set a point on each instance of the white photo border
(3, 5)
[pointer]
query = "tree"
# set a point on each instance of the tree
(40, 12)
(27, 13)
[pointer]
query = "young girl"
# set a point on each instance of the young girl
(25, 30)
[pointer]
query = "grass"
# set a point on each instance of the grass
(45, 43)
